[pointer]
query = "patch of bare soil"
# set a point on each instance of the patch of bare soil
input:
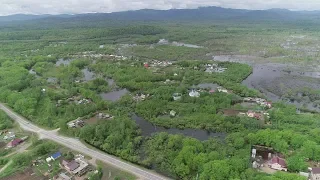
(2, 144)
(27, 174)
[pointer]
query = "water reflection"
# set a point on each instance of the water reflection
(148, 129)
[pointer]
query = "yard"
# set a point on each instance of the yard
(27, 174)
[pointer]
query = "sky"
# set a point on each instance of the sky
(8, 7)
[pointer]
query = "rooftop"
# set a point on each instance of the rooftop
(278, 160)
(56, 155)
(315, 170)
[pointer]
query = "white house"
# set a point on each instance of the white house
(194, 93)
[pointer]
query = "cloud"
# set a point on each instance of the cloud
(85, 6)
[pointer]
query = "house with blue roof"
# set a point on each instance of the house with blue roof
(56, 155)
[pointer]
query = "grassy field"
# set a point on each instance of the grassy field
(110, 172)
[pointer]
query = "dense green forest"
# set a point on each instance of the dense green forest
(49, 94)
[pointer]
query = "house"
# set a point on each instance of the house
(269, 105)
(77, 166)
(212, 91)
(56, 156)
(173, 113)
(10, 135)
(220, 89)
(278, 164)
(104, 116)
(177, 96)
(253, 153)
(251, 114)
(70, 166)
(315, 174)
(258, 116)
(255, 165)
(63, 176)
(14, 143)
(194, 93)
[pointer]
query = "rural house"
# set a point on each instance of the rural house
(315, 174)
(14, 143)
(278, 164)
(54, 157)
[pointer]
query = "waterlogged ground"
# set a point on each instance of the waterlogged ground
(296, 84)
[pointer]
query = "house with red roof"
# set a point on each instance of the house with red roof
(14, 143)
(278, 163)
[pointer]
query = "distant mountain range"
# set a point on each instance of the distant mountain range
(199, 14)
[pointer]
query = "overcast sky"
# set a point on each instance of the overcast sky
(8, 7)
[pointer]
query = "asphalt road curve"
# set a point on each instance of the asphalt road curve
(78, 146)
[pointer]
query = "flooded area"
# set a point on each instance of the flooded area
(88, 75)
(63, 61)
(114, 95)
(175, 43)
(148, 129)
(281, 82)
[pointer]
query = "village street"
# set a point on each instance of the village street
(78, 146)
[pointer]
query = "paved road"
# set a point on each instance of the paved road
(80, 147)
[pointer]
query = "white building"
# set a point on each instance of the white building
(194, 93)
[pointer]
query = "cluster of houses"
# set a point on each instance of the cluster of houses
(257, 115)
(13, 140)
(214, 68)
(196, 93)
(264, 157)
(140, 97)
(168, 81)
(84, 101)
(75, 167)
(259, 101)
(104, 116)
(8, 135)
(267, 158)
(221, 89)
(92, 54)
(78, 123)
(156, 63)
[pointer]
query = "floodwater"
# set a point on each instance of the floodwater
(276, 80)
(148, 129)
(63, 61)
(88, 75)
(114, 95)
